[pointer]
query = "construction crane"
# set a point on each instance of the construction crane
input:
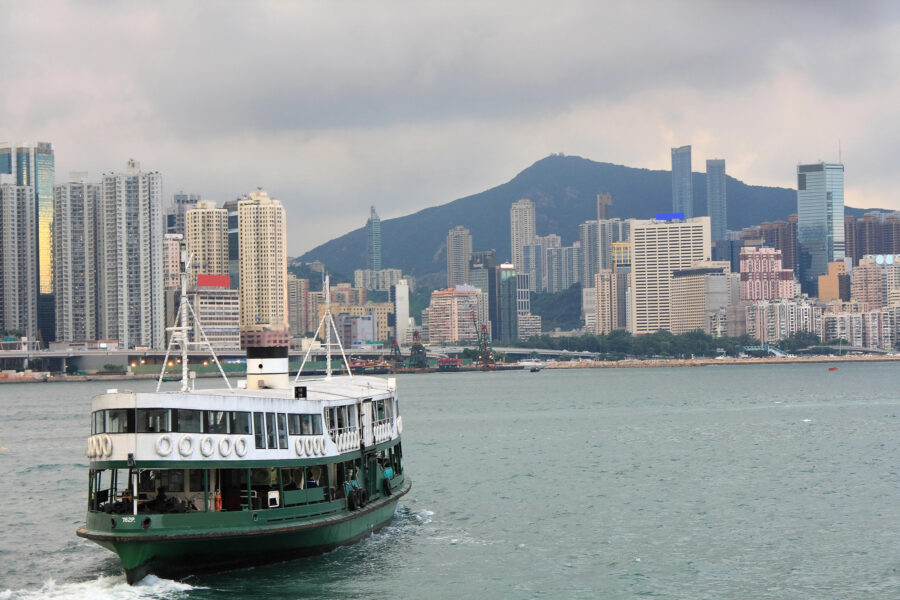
(396, 358)
(417, 357)
(486, 358)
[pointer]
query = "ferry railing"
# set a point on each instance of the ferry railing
(383, 429)
(345, 438)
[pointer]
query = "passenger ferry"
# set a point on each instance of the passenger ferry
(201, 480)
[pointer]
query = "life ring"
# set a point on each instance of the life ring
(399, 425)
(164, 445)
(186, 446)
(91, 451)
(207, 446)
(308, 444)
(107, 444)
(224, 447)
(386, 485)
(241, 446)
(320, 445)
(298, 446)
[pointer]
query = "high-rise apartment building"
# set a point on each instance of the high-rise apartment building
(588, 235)
(875, 233)
(716, 206)
(867, 284)
(658, 249)
(206, 239)
(606, 306)
(18, 260)
(263, 267)
(234, 247)
(835, 284)
(299, 314)
(700, 296)
(74, 257)
(130, 304)
(771, 321)
(181, 203)
(782, 235)
(33, 166)
(373, 241)
(521, 229)
(217, 310)
(563, 267)
(763, 276)
(172, 246)
(459, 252)
(508, 287)
(820, 220)
(453, 315)
(682, 186)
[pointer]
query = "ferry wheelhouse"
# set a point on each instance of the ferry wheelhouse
(200, 480)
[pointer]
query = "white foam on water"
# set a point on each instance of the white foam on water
(104, 588)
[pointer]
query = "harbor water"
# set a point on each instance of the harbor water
(764, 481)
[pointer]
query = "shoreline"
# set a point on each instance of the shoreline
(582, 364)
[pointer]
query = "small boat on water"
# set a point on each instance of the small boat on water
(532, 364)
(190, 481)
(832, 368)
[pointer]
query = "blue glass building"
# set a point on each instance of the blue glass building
(716, 207)
(682, 188)
(820, 221)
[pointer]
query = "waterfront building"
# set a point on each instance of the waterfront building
(700, 295)
(563, 267)
(400, 297)
(835, 284)
(175, 218)
(771, 321)
(507, 327)
(130, 303)
(299, 314)
(820, 224)
(459, 252)
(606, 304)
(18, 260)
(659, 247)
(373, 241)
(763, 276)
(453, 315)
(33, 166)
(716, 206)
(74, 256)
(217, 311)
(356, 330)
(263, 265)
(529, 326)
(206, 238)
(682, 186)
(234, 246)
(521, 229)
(589, 308)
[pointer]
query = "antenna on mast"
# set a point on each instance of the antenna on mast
(840, 160)
(327, 322)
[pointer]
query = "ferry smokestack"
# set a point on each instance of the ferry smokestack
(267, 358)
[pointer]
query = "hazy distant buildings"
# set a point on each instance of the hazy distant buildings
(875, 233)
(181, 203)
(658, 249)
(771, 321)
(700, 296)
(459, 252)
(521, 230)
(234, 247)
(563, 267)
(373, 241)
(129, 258)
(507, 327)
(820, 224)
(682, 186)
(263, 268)
(782, 235)
(299, 313)
(716, 206)
(835, 284)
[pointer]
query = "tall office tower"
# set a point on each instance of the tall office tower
(508, 325)
(563, 267)
(521, 229)
(181, 203)
(604, 203)
(588, 235)
(606, 308)
(782, 235)
(459, 252)
(659, 247)
(682, 186)
(763, 276)
(699, 297)
(18, 260)
(400, 293)
(483, 276)
(234, 248)
(716, 206)
(262, 239)
(299, 317)
(373, 241)
(33, 165)
(621, 266)
(206, 239)
(820, 220)
(130, 302)
(74, 256)
(609, 232)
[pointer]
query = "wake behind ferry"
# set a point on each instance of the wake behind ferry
(202, 480)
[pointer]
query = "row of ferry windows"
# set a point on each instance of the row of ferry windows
(177, 420)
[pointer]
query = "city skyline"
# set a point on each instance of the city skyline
(478, 100)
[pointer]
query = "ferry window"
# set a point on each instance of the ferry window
(294, 424)
(259, 429)
(270, 431)
(282, 431)
(98, 425)
(172, 480)
(195, 480)
(186, 421)
(379, 410)
(147, 481)
(120, 420)
(312, 424)
(215, 421)
(153, 420)
(240, 423)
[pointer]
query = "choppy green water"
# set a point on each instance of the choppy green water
(718, 482)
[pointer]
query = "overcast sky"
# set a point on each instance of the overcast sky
(334, 106)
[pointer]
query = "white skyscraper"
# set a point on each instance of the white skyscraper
(659, 248)
(129, 256)
(74, 258)
(521, 229)
(18, 260)
(401, 310)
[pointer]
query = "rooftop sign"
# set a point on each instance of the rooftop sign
(670, 217)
